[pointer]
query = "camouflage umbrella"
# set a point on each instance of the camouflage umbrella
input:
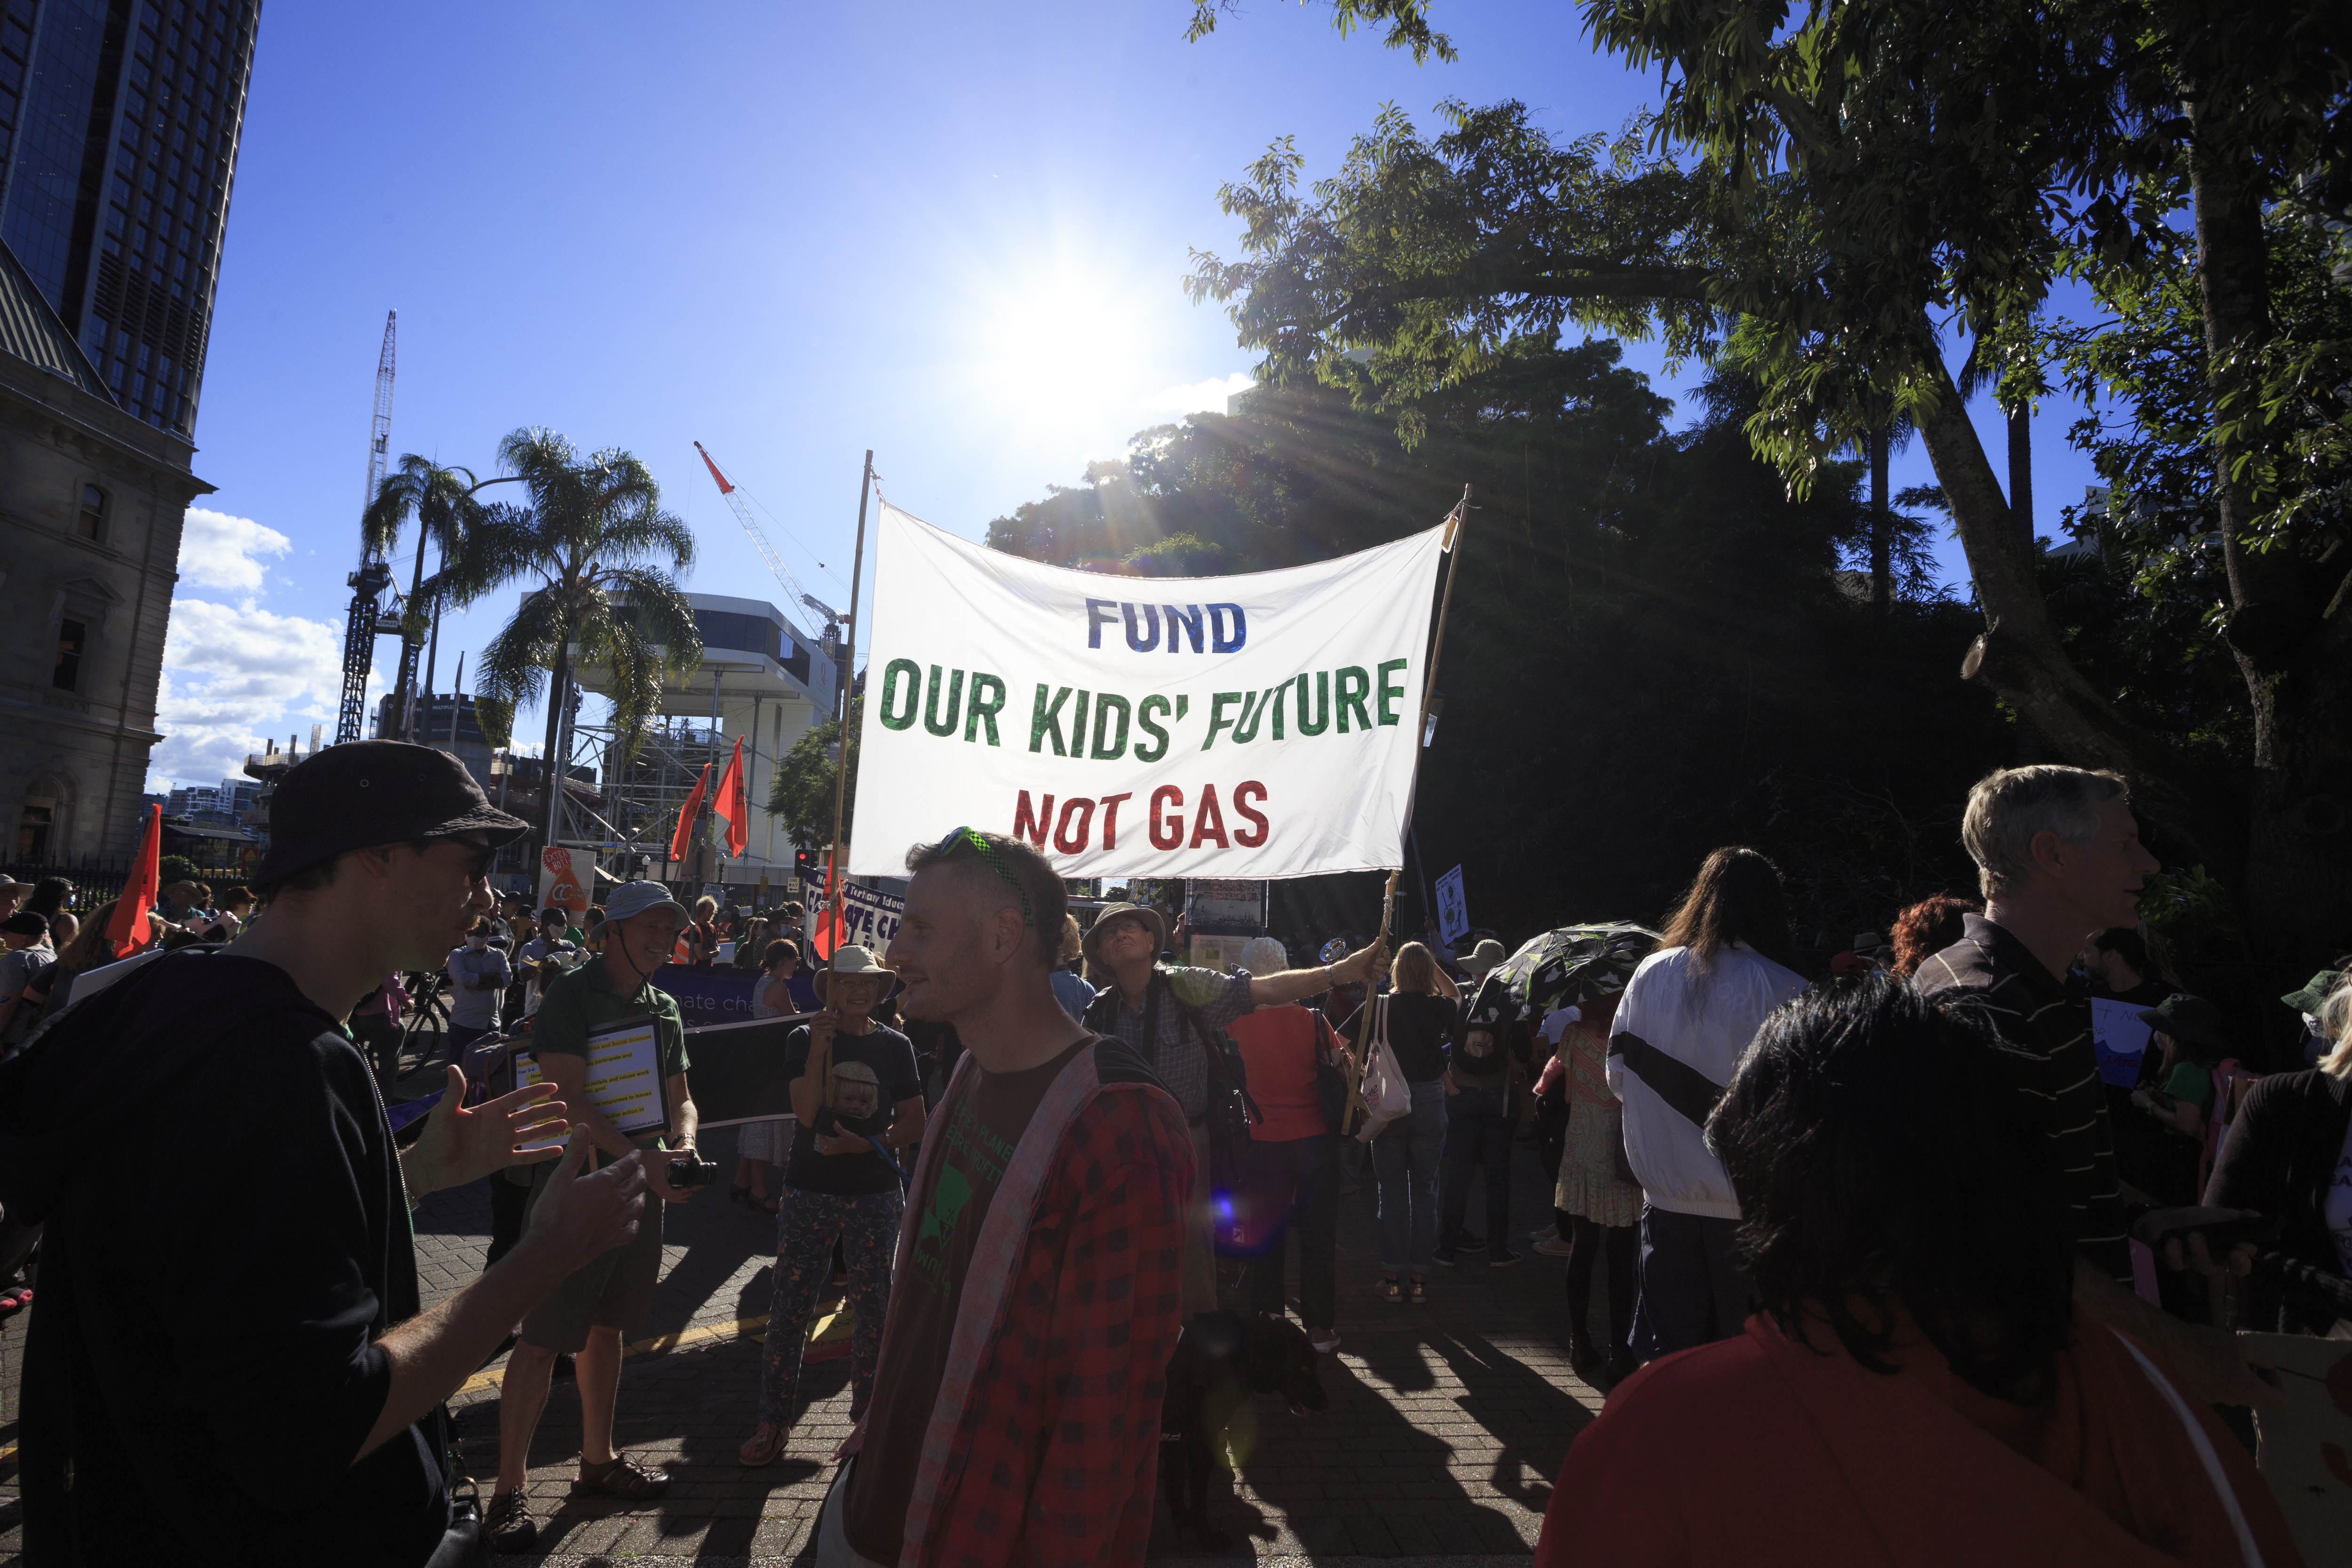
(1560, 969)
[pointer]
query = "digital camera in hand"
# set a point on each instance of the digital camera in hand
(692, 1173)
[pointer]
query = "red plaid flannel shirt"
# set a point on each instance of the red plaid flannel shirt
(1059, 1447)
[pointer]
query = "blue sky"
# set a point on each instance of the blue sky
(953, 233)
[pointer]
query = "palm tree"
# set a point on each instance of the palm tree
(603, 552)
(442, 502)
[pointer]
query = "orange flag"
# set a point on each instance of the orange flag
(730, 804)
(680, 840)
(130, 930)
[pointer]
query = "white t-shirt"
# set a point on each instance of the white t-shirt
(1706, 1022)
(2337, 1206)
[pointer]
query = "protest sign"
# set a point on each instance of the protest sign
(1262, 725)
(2119, 1039)
(625, 1078)
(870, 917)
(566, 877)
(707, 997)
(1453, 908)
(90, 982)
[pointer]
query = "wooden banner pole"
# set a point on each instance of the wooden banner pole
(820, 1062)
(1453, 521)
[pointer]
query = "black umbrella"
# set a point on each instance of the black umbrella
(1559, 969)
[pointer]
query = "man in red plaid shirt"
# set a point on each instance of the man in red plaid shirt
(1015, 1412)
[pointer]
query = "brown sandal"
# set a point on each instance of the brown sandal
(623, 1478)
(766, 1441)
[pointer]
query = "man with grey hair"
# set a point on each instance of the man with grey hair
(2058, 856)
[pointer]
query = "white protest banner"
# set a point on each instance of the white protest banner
(1453, 908)
(1262, 725)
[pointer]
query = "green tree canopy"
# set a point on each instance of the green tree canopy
(801, 790)
(1824, 193)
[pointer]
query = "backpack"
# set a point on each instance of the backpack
(1231, 1110)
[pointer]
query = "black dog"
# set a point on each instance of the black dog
(1221, 1360)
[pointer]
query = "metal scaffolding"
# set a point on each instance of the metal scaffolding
(637, 799)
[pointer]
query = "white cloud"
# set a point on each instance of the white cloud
(217, 550)
(1199, 396)
(233, 674)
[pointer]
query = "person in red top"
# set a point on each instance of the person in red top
(1292, 1185)
(1039, 1286)
(1921, 1386)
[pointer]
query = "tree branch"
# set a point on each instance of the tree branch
(2024, 661)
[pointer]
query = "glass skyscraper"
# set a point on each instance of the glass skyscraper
(118, 123)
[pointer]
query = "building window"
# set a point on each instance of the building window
(32, 831)
(91, 523)
(73, 641)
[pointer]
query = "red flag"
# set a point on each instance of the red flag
(683, 836)
(730, 804)
(832, 929)
(130, 930)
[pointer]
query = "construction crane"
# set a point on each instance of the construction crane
(734, 500)
(368, 612)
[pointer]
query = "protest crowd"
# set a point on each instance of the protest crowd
(1901, 1260)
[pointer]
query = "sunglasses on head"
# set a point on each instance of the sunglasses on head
(964, 839)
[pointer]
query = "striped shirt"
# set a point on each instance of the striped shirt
(2054, 1069)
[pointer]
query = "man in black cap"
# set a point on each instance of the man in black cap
(206, 1127)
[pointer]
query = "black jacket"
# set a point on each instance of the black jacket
(2279, 1157)
(226, 1238)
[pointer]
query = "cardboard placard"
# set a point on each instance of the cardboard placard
(625, 1081)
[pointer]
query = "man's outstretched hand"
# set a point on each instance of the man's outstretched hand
(577, 1218)
(460, 1146)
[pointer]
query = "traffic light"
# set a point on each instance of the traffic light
(808, 865)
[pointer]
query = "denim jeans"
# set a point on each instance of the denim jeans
(1313, 1165)
(867, 1226)
(1477, 1135)
(1404, 1162)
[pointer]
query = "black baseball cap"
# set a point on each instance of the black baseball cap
(364, 793)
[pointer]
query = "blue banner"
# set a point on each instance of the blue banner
(709, 996)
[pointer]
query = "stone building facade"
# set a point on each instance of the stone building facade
(91, 502)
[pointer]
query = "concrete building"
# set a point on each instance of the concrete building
(767, 685)
(118, 128)
(91, 499)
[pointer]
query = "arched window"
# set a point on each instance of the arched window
(91, 523)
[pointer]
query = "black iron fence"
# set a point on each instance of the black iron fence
(98, 879)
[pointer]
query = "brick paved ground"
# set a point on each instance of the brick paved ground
(1447, 1422)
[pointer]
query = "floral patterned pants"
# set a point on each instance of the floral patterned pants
(867, 1226)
